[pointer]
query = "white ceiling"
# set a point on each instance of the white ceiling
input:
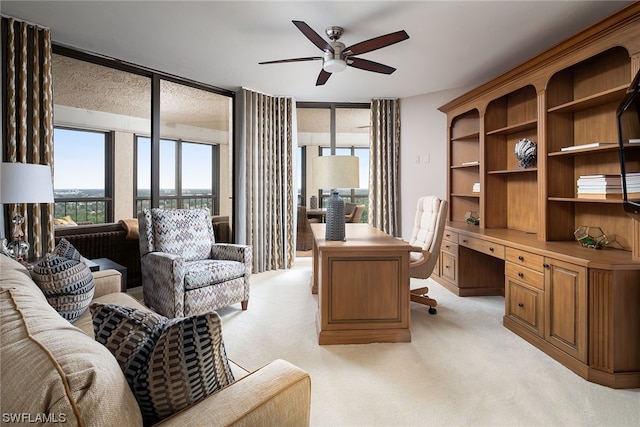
(453, 44)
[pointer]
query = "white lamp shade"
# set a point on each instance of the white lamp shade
(25, 183)
(336, 172)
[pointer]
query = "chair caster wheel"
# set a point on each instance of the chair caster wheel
(432, 310)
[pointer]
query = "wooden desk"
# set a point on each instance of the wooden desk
(362, 286)
(580, 306)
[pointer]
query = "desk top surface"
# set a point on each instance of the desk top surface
(358, 236)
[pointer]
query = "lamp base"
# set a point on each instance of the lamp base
(335, 218)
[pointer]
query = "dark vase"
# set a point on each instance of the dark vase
(335, 218)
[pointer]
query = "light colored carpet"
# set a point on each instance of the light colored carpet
(462, 368)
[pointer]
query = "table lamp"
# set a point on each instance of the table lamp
(23, 183)
(336, 172)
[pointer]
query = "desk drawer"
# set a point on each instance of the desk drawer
(483, 246)
(526, 259)
(450, 247)
(524, 274)
(448, 267)
(450, 236)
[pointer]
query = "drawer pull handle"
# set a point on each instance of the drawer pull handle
(545, 265)
(491, 249)
(446, 266)
(521, 305)
(464, 241)
(521, 258)
(520, 274)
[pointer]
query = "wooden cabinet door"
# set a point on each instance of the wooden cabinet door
(566, 307)
(449, 267)
(523, 304)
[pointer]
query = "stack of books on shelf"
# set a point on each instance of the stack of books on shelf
(476, 187)
(607, 186)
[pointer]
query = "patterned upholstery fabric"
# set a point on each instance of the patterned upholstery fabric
(169, 363)
(187, 233)
(65, 280)
(207, 272)
(184, 272)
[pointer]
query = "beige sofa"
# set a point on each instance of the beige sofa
(53, 371)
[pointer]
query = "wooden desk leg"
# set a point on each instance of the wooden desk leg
(314, 275)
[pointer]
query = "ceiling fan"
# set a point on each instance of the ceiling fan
(337, 57)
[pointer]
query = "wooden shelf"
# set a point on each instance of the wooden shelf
(508, 171)
(583, 200)
(474, 135)
(532, 124)
(476, 196)
(612, 95)
(592, 150)
(465, 166)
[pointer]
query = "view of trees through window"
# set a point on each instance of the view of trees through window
(81, 189)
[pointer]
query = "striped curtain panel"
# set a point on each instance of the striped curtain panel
(266, 193)
(384, 163)
(27, 127)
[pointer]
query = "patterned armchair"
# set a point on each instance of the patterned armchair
(184, 271)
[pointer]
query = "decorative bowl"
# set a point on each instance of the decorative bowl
(591, 237)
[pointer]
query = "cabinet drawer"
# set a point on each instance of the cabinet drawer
(450, 236)
(450, 247)
(448, 268)
(526, 259)
(524, 305)
(527, 275)
(483, 246)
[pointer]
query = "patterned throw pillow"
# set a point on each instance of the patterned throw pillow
(169, 364)
(65, 281)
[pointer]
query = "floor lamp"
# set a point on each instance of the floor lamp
(335, 172)
(23, 183)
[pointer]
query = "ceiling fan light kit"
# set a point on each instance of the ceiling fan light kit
(337, 57)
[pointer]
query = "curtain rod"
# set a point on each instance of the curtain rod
(25, 21)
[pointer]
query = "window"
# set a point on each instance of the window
(189, 175)
(81, 184)
(114, 99)
(324, 129)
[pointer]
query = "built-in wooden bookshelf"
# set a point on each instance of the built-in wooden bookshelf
(579, 305)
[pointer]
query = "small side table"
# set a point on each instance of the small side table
(107, 264)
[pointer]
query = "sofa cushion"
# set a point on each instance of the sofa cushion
(169, 363)
(208, 272)
(51, 368)
(65, 280)
(187, 233)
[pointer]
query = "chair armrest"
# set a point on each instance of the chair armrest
(163, 283)
(277, 394)
(232, 252)
(106, 282)
(425, 257)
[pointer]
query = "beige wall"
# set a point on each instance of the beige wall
(423, 152)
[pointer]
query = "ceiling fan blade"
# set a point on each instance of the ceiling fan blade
(279, 61)
(377, 43)
(365, 64)
(313, 36)
(322, 78)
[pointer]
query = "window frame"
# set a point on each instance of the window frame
(109, 179)
(179, 197)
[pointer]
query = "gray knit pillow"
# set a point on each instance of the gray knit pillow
(65, 281)
(169, 364)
